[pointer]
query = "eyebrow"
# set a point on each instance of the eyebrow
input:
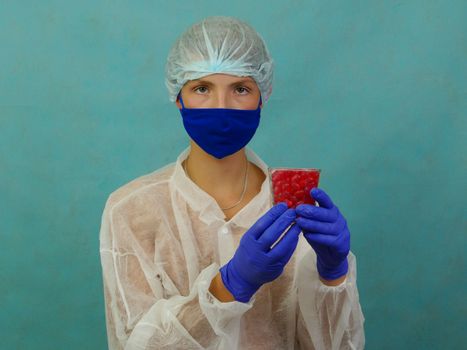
(201, 81)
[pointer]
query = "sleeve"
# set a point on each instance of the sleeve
(328, 317)
(142, 312)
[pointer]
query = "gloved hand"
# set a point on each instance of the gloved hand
(254, 262)
(326, 231)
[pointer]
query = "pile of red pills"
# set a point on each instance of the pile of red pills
(293, 186)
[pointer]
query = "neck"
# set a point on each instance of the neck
(221, 178)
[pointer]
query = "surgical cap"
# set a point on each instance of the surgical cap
(219, 44)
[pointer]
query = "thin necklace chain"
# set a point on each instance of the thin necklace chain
(245, 182)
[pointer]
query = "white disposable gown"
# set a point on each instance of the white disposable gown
(163, 240)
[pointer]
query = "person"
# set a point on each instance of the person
(194, 255)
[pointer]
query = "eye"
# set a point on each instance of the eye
(242, 88)
(200, 87)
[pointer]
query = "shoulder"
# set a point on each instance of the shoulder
(141, 188)
(134, 211)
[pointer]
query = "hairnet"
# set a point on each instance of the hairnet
(219, 44)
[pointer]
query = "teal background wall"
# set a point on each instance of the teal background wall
(372, 92)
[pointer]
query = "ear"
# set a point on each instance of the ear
(177, 102)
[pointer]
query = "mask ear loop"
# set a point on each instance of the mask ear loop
(181, 100)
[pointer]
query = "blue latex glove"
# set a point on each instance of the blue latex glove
(254, 262)
(326, 231)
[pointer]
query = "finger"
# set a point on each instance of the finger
(318, 238)
(276, 229)
(327, 228)
(284, 249)
(323, 199)
(317, 213)
(267, 220)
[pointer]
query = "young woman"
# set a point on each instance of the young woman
(191, 254)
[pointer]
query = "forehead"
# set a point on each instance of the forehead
(221, 78)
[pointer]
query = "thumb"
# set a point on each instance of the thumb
(267, 220)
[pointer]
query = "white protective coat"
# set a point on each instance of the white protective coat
(162, 241)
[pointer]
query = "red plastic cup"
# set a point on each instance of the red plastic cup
(293, 185)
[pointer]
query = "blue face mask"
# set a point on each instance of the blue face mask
(220, 131)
